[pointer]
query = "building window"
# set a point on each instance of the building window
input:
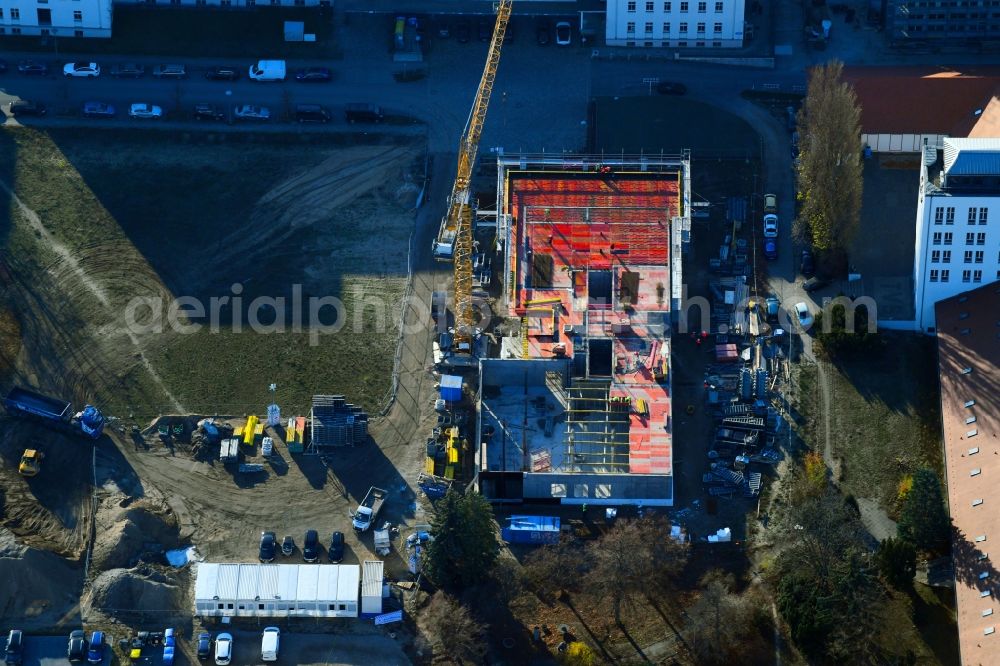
(937, 238)
(966, 276)
(950, 215)
(78, 16)
(647, 43)
(977, 276)
(936, 257)
(682, 44)
(631, 6)
(684, 6)
(981, 238)
(945, 274)
(702, 7)
(718, 8)
(946, 257)
(939, 215)
(649, 28)
(699, 44)
(982, 215)
(581, 490)
(667, 6)
(979, 256)
(934, 275)
(717, 28)
(15, 14)
(1, 13)
(666, 28)
(630, 27)
(701, 29)
(649, 7)
(947, 238)
(972, 215)
(15, 31)
(968, 257)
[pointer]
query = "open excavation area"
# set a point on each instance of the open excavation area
(115, 246)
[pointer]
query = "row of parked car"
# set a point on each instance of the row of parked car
(462, 31)
(133, 70)
(78, 650)
(310, 547)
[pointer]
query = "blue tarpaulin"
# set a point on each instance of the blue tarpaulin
(451, 388)
(531, 529)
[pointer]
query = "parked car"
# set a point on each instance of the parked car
(770, 203)
(267, 544)
(95, 650)
(287, 545)
(15, 648)
(251, 112)
(313, 75)
(671, 88)
(463, 32)
(310, 547)
(86, 70)
(564, 33)
(76, 649)
(770, 226)
(128, 70)
(803, 315)
(543, 33)
(771, 248)
(204, 645)
(807, 266)
(311, 113)
(357, 112)
(170, 72)
(33, 67)
(143, 110)
(814, 283)
(336, 551)
(223, 649)
(98, 110)
(773, 305)
(222, 73)
(25, 107)
(208, 112)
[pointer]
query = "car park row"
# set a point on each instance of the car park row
(310, 547)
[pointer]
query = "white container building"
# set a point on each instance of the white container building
(277, 590)
(371, 587)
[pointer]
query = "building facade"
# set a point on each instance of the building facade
(958, 224)
(675, 23)
(58, 18)
(961, 22)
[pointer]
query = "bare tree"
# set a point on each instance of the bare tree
(830, 170)
(722, 626)
(553, 568)
(451, 630)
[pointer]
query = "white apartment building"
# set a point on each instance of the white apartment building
(675, 23)
(958, 224)
(59, 18)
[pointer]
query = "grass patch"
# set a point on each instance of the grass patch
(199, 33)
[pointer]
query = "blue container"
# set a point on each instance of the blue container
(531, 530)
(451, 388)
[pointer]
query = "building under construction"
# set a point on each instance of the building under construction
(578, 407)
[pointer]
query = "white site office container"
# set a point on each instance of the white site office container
(371, 587)
(277, 590)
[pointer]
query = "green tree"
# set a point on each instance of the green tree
(897, 562)
(923, 520)
(465, 542)
(830, 169)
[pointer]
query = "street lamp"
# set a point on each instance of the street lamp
(229, 107)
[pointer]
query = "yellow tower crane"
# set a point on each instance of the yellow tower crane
(454, 239)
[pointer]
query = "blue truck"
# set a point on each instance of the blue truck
(58, 413)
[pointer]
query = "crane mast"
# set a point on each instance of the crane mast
(456, 227)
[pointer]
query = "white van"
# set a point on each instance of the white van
(269, 644)
(268, 70)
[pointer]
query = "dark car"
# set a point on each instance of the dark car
(771, 248)
(98, 110)
(287, 545)
(310, 547)
(33, 67)
(671, 88)
(313, 75)
(222, 73)
(95, 651)
(76, 650)
(25, 107)
(463, 32)
(267, 547)
(311, 113)
(15, 647)
(208, 112)
(807, 266)
(170, 72)
(814, 283)
(336, 550)
(357, 112)
(204, 646)
(128, 70)
(543, 34)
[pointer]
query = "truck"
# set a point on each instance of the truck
(268, 70)
(55, 412)
(367, 511)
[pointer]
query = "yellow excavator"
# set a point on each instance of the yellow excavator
(31, 462)
(454, 240)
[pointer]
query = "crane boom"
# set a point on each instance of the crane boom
(455, 236)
